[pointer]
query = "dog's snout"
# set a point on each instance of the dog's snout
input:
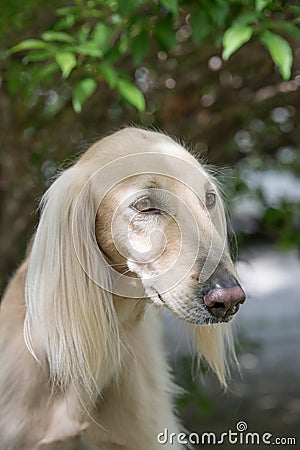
(224, 282)
(225, 296)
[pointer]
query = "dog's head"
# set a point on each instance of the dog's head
(137, 217)
(163, 220)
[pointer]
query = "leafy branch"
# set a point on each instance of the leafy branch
(89, 40)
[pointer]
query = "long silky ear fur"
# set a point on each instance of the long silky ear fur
(74, 316)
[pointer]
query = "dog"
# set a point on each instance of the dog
(136, 225)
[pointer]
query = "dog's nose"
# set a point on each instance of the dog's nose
(225, 296)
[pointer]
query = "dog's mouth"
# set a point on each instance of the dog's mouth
(200, 315)
(218, 305)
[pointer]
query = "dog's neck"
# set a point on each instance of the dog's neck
(129, 310)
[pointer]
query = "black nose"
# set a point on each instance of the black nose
(225, 296)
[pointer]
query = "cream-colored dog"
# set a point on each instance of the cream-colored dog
(135, 225)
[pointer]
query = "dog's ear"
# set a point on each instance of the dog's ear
(72, 311)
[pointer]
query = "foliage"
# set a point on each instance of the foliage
(192, 397)
(89, 41)
(234, 111)
(265, 188)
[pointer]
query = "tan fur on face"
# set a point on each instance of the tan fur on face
(93, 373)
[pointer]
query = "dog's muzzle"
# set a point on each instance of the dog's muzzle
(224, 297)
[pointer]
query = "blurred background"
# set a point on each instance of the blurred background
(241, 114)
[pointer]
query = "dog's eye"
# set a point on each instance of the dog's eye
(210, 199)
(145, 205)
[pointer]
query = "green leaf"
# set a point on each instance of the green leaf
(295, 10)
(36, 56)
(46, 71)
(218, 11)
(82, 91)
(65, 10)
(234, 38)
(89, 49)
(124, 43)
(140, 45)
(28, 44)
(260, 5)
(113, 55)
(58, 36)
(101, 35)
(132, 94)
(66, 62)
(109, 74)
(83, 33)
(200, 26)
(171, 5)
(65, 22)
(246, 18)
(126, 7)
(165, 34)
(287, 27)
(280, 51)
